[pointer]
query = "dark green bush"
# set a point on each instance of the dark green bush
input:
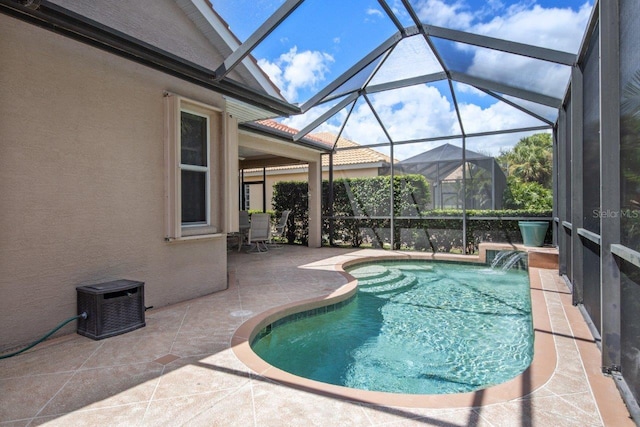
(368, 199)
(525, 195)
(360, 197)
(361, 212)
(293, 195)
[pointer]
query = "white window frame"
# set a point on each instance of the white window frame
(175, 229)
(193, 168)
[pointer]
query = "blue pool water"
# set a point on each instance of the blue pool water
(413, 327)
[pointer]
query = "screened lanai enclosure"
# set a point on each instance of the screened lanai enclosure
(597, 165)
(418, 79)
(484, 180)
(419, 85)
(412, 88)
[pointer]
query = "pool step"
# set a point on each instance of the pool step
(391, 275)
(380, 280)
(369, 272)
(402, 282)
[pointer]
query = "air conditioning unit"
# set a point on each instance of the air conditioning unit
(112, 308)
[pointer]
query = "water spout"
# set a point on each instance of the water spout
(513, 260)
(508, 259)
(499, 258)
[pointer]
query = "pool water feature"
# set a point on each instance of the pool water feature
(507, 259)
(413, 327)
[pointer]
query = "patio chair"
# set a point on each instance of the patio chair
(279, 228)
(259, 232)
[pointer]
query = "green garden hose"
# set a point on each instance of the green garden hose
(33, 344)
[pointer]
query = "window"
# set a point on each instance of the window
(194, 168)
(193, 188)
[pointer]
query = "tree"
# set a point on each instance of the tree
(530, 168)
(527, 195)
(530, 160)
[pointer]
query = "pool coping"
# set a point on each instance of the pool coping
(535, 376)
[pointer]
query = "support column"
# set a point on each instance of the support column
(264, 190)
(315, 203)
(464, 195)
(555, 223)
(331, 200)
(562, 201)
(610, 182)
(232, 186)
(577, 199)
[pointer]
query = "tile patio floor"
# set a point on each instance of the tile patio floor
(180, 369)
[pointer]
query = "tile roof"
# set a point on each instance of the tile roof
(353, 156)
(284, 128)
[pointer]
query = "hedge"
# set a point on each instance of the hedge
(361, 213)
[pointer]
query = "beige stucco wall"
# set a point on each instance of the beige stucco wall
(161, 23)
(82, 182)
(282, 175)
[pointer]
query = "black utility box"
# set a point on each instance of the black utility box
(112, 308)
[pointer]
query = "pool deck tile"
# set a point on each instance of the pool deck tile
(185, 367)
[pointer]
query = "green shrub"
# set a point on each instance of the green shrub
(361, 212)
(527, 195)
(293, 195)
(361, 197)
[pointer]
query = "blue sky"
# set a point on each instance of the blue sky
(323, 38)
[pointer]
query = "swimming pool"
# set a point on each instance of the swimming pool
(413, 327)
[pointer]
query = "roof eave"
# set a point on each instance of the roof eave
(206, 11)
(283, 136)
(80, 28)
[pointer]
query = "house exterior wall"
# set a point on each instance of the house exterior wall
(278, 176)
(82, 182)
(160, 23)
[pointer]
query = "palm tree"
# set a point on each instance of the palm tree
(530, 160)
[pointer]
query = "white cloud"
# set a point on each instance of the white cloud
(415, 112)
(421, 111)
(374, 12)
(554, 28)
(300, 121)
(463, 88)
(273, 71)
(517, 22)
(549, 113)
(293, 71)
(407, 113)
(519, 71)
(498, 116)
(444, 13)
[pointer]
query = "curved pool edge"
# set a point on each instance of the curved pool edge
(535, 376)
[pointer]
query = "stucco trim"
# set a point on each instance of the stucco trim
(199, 237)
